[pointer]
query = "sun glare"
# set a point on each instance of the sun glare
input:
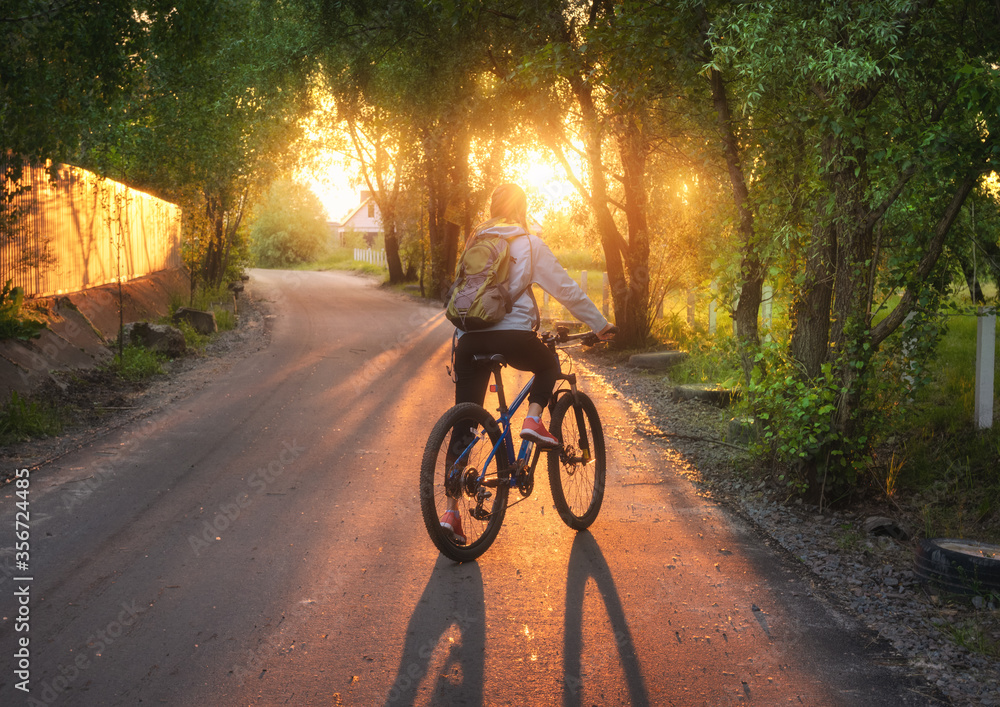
(328, 179)
(339, 198)
(543, 180)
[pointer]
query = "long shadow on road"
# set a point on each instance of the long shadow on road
(452, 603)
(586, 561)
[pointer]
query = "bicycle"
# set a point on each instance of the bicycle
(469, 457)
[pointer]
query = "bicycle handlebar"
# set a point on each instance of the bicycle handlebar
(562, 335)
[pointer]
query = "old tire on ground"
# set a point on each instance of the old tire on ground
(963, 567)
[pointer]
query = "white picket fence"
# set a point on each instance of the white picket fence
(373, 257)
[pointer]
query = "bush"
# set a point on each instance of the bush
(192, 337)
(580, 260)
(22, 418)
(137, 364)
(13, 322)
(224, 319)
(289, 227)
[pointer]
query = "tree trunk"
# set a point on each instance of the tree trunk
(972, 278)
(616, 250)
(810, 337)
(633, 148)
(751, 268)
(391, 235)
(213, 256)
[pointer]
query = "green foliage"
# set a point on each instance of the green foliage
(289, 226)
(22, 418)
(948, 466)
(954, 480)
(581, 260)
(192, 337)
(225, 319)
(796, 417)
(709, 361)
(136, 364)
(14, 323)
(207, 299)
(359, 239)
(69, 68)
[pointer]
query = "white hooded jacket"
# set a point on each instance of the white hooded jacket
(532, 262)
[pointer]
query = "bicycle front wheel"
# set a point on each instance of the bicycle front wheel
(577, 468)
(451, 478)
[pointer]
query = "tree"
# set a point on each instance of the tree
(601, 79)
(289, 226)
(69, 66)
(893, 105)
(224, 93)
(428, 67)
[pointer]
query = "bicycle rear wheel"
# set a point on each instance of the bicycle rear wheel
(577, 468)
(453, 461)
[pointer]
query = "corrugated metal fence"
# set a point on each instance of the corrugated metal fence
(79, 231)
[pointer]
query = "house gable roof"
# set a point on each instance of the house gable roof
(350, 217)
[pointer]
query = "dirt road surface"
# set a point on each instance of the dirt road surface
(259, 542)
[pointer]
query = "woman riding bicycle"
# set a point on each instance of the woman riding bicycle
(531, 262)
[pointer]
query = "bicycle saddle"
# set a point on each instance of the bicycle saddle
(490, 359)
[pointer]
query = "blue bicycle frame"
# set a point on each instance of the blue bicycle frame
(504, 422)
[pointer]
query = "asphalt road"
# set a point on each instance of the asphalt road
(259, 542)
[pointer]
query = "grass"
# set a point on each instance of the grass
(973, 634)
(950, 467)
(23, 418)
(192, 337)
(932, 461)
(214, 300)
(706, 363)
(136, 364)
(341, 259)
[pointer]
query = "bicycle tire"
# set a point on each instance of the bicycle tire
(479, 533)
(577, 485)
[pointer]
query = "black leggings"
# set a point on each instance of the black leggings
(522, 349)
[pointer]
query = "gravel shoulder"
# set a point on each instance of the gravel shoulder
(868, 575)
(97, 402)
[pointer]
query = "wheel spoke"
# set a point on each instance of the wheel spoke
(577, 471)
(451, 478)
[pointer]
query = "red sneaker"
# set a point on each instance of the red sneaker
(536, 432)
(452, 522)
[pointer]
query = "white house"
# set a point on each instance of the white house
(365, 219)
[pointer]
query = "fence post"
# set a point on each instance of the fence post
(712, 304)
(605, 295)
(736, 305)
(986, 327)
(767, 295)
(767, 299)
(907, 345)
(690, 308)
(583, 280)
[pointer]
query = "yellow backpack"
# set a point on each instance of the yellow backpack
(479, 296)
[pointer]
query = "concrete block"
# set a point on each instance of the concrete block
(658, 361)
